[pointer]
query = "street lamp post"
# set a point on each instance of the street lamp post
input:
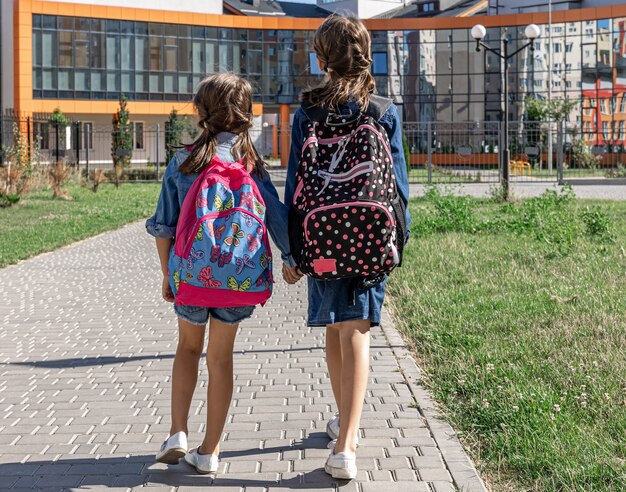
(478, 33)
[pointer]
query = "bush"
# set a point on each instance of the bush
(132, 174)
(15, 176)
(597, 224)
(550, 219)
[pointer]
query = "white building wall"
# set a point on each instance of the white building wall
(6, 40)
(363, 9)
(198, 6)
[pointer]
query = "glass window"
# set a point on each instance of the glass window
(66, 23)
(48, 22)
(97, 81)
(81, 80)
(48, 80)
(88, 135)
(141, 53)
(37, 48)
(315, 69)
(211, 58)
(127, 83)
(113, 52)
(141, 28)
(65, 49)
(184, 55)
(170, 58)
(97, 52)
(169, 83)
(113, 82)
(81, 54)
(197, 57)
(48, 49)
(156, 55)
(138, 135)
(379, 65)
(141, 82)
(126, 52)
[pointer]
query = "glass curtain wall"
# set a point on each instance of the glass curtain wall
(433, 75)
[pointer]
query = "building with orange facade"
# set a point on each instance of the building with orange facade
(81, 56)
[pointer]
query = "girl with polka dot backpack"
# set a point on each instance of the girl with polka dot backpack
(347, 190)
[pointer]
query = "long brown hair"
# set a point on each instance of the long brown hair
(224, 104)
(343, 46)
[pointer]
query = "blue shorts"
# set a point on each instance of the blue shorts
(200, 315)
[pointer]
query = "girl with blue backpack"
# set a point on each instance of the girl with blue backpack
(347, 190)
(211, 225)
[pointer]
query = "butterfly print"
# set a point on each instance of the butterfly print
(265, 279)
(248, 220)
(222, 206)
(253, 242)
(247, 200)
(236, 236)
(193, 256)
(258, 208)
(265, 260)
(200, 234)
(206, 277)
(201, 202)
(220, 258)
(240, 287)
(219, 232)
(243, 262)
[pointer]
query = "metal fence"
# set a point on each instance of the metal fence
(438, 152)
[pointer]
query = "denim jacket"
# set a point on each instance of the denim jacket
(389, 120)
(176, 185)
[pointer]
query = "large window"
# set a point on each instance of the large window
(433, 74)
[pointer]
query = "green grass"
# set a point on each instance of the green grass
(517, 313)
(40, 223)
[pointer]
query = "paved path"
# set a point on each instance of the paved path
(609, 189)
(86, 349)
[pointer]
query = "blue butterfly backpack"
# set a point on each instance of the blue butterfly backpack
(221, 256)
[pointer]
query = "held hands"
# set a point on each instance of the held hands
(166, 290)
(291, 275)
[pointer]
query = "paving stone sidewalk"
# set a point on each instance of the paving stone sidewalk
(86, 349)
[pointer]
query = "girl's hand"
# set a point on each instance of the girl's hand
(291, 275)
(166, 290)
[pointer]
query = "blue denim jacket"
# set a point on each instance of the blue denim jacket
(390, 121)
(176, 185)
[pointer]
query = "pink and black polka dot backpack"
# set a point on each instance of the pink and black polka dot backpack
(347, 218)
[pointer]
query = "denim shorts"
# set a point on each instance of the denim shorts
(200, 315)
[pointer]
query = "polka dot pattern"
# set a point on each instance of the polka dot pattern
(345, 186)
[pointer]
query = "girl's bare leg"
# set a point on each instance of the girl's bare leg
(354, 337)
(333, 361)
(219, 358)
(185, 372)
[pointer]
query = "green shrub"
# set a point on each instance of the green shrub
(597, 224)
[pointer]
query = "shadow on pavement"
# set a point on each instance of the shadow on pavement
(141, 470)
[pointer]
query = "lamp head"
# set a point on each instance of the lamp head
(479, 32)
(532, 31)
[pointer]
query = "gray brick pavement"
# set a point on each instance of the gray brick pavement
(86, 349)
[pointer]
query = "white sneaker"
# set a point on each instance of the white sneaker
(203, 463)
(341, 465)
(172, 449)
(332, 429)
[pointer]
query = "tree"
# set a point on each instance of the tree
(121, 140)
(59, 173)
(174, 130)
(15, 176)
